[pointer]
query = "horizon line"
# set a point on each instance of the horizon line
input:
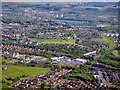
(57, 1)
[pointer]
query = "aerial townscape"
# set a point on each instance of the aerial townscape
(60, 46)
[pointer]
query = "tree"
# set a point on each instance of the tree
(4, 81)
(43, 85)
(89, 63)
(16, 79)
(6, 57)
(26, 56)
(10, 82)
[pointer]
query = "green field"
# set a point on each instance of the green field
(59, 41)
(115, 52)
(4, 60)
(107, 40)
(104, 24)
(54, 41)
(17, 70)
(22, 72)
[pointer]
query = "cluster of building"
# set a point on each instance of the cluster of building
(41, 16)
(4, 68)
(22, 57)
(67, 61)
(113, 77)
(88, 35)
(26, 41)
(93, 53)
(13, 36)
(102, 78)
(54, 30)
(45, 16)
(111, 34)
(77, 84)
(95, 45)
(33, 43)
(50, 78)
(19, 48)
(117, 42)
(67, 46)
(51, 35)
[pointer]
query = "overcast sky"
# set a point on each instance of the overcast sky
(59, 0)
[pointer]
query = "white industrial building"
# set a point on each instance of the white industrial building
(80, 60)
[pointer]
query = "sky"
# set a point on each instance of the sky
(59, 0)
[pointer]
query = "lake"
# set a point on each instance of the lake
(69, 21)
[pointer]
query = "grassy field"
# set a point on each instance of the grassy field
(104, 24)
(59, 41)
(54, 41)
(115, 52)
(18, 71)
(107, 40)
(4, 60)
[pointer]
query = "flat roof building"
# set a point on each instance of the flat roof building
(80, 60)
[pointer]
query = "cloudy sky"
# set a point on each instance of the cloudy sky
(59, 0)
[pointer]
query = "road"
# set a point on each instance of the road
(103, 80)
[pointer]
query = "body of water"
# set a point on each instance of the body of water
(69, 21)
